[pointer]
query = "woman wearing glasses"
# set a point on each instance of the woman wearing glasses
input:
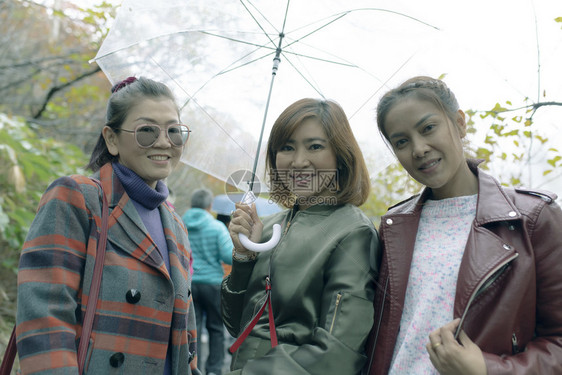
(144, 321)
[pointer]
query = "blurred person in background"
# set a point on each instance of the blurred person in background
(211, 246)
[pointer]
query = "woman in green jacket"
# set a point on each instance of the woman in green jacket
(305, 306)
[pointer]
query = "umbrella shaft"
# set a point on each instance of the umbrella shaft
(254, 169)
(276, 61)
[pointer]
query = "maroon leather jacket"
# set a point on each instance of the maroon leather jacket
(509, 288)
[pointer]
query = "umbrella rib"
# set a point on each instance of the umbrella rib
(303, 77)
(123, 48)
(343, 14)
(219, 125)
(237, 40)
(317, 29)
(227, 70)
(381, 86)
(285, 19)
(201, 107)
(350, 64)
(255, 19)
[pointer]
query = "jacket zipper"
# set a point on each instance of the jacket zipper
(338, 299)
(287, 227)
(514, 344)
(483, 285)
(292, 215)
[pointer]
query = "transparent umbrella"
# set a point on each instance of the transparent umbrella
(233, 65)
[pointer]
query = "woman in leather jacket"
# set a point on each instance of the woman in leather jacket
(470, 280)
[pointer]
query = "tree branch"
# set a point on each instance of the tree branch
(55, 89)
(534, 106)
(59, 59)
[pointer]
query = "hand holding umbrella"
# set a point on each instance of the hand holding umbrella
(247, 200)
(220, 47)
(246, 224)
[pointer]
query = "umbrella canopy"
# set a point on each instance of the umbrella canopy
(224, 204)
(235, 65)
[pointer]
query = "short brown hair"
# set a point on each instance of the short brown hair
(353, 177)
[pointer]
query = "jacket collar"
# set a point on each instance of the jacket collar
(112, 187)
(320, 209)
(493, 203)
(127, 223)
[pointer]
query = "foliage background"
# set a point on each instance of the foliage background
(52, 107)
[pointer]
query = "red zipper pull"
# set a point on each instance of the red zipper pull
(267, 284)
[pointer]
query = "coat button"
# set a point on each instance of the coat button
(389, 221)
(117, 359)
(507, 247)
(133, 296)
(512, 214)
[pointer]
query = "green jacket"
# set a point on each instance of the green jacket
(322, 284)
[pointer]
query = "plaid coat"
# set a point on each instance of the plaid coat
(141, 307)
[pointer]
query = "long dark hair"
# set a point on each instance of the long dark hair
(124, 96)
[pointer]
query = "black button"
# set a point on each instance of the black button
(117, 359)
(133, 296)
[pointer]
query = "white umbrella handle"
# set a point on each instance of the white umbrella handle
(249, 198)
(261, 247)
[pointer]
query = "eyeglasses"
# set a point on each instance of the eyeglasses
(146, 135)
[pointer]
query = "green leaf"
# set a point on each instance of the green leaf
(541, 139)
(554, 160)
(515, 181)
(498, 108)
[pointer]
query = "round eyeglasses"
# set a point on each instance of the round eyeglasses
(146, 135)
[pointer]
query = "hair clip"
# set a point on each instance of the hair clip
(119, 85)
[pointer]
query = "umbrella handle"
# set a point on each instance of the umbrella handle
(261, 247)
